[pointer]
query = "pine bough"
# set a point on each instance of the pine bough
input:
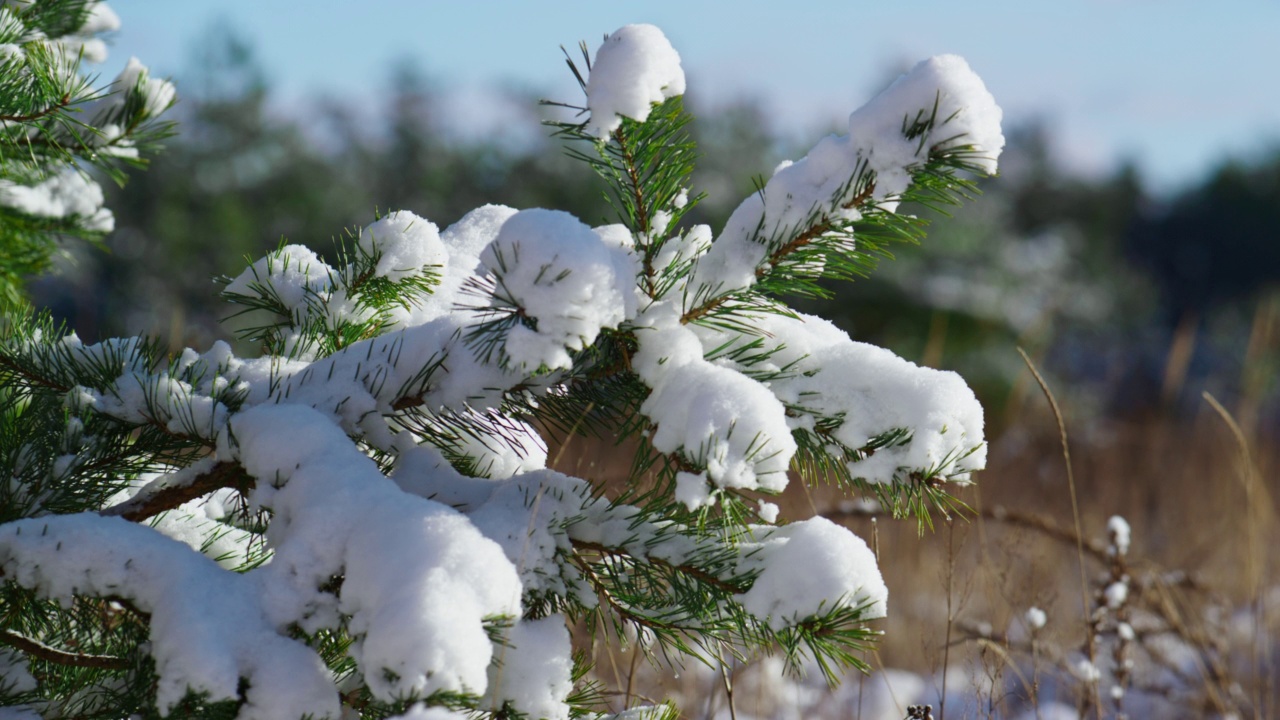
(361, 519)
(54, 125)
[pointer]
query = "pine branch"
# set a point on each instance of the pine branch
(62, 657)
(696, 573)
(222, 475)
(60, 105)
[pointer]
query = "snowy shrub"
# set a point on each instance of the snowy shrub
(360, 521)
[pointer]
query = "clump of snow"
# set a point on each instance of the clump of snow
(405, 243)
(692, 490)
(564, 278)
(291, 275)
(680, 251)
(1085, 670)
(463, 242)
(811, 567)
(69, 193)
(1118, 529)
(716, 417)
(1116, 593)
(634, 68)
(101, 19)
(209, 627)
(154, 95)
(419, 578)
(1036, 618)
(768, 512)
(534, 670)
(953, 107)
(158, 398)
(865, 391)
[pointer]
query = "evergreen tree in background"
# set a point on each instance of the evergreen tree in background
(361, 520)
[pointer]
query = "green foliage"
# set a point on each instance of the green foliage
(56, 129)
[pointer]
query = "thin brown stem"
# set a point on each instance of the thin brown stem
(1075, 514)
(38, 649)
(66, 100)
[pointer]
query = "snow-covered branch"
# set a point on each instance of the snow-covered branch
(361, 520)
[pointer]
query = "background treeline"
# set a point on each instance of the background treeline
(1136, 301)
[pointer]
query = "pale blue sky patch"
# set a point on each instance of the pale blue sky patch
(1171, 85)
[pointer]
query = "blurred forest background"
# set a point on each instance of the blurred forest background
(1135, 302)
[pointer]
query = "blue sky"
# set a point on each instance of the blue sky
(1172, 85)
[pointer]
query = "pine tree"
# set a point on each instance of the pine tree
(361, 519)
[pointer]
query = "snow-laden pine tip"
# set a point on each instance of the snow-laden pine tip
(715, 416)
(406, 245)
(154, 94)
(634, 68)
(290, 275)
(864, 391)
(100, 19)
(693, 490)
(945, 90)
(942, 90)
(813, 567)
(569, 280)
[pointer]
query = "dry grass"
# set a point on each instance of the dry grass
(1202, 517)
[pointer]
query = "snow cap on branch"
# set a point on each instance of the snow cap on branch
(419, 578)
(870, 392)
(941, 105)
(713, 415)
(407, 244)
(291, 275)
(811, 567)
(634, 68)
(534, 670)
(154, 96)
(101, 19)
(69, 193)
(569, 280)
(209, 628)
(942, 92)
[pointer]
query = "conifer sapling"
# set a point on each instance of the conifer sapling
(360, 519)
